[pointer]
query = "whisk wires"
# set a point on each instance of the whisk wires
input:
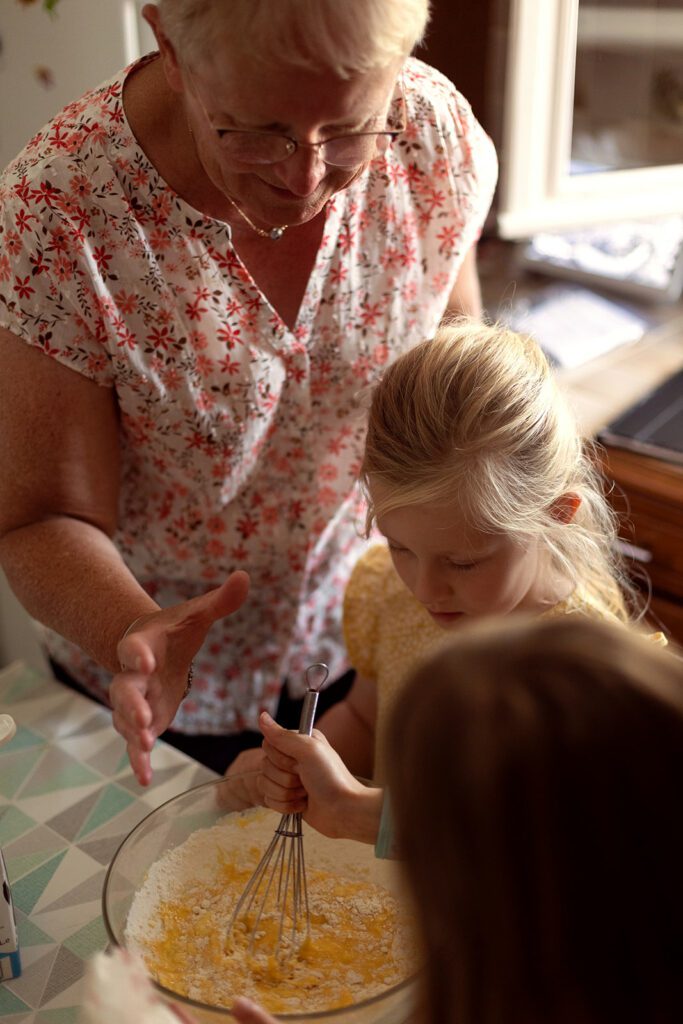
(274, 903)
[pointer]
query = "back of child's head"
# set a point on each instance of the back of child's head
(475, 416)
(536, 770)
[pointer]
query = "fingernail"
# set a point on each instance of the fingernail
(265, 717)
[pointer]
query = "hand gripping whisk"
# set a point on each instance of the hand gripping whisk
(273, 909)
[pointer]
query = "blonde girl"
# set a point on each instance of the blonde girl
(490, 503)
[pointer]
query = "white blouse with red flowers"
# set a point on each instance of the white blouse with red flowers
(241, 438)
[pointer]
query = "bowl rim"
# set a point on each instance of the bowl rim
(212, 1008)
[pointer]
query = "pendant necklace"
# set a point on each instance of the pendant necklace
(272, 233)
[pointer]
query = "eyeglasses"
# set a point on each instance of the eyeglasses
(339, 151)
(350, 150)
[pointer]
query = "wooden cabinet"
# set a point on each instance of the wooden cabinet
(648, 497)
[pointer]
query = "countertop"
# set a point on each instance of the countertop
(67, 799)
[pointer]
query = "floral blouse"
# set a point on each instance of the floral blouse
(241, 438)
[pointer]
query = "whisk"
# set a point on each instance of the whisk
(276, 896)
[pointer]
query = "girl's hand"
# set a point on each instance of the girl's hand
(156, 656)
(305, 774)
(247, 1012)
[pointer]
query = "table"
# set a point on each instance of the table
(67, 799)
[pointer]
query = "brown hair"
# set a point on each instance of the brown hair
(536, 771)
(476, 413)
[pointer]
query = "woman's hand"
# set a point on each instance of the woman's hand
(246, 780)
(156, 657)
(305, 774)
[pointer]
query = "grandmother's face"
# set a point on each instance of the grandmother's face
(308, 106)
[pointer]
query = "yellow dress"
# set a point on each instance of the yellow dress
(388, 631)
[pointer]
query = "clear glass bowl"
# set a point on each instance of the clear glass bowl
(223, 800)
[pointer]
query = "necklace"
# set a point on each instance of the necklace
(273, 233)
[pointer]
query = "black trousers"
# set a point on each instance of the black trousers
(218, 752)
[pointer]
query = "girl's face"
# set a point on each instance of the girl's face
(454, 570)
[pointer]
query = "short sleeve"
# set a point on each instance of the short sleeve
(457, 168)
(362, 605)
(477, 162)
(49, 292)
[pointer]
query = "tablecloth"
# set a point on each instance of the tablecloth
(67, 799)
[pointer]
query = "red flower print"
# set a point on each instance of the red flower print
(380, 354)
(13, 243)
(346, 238)
(198, 340)
(159, 239)
(338, 275)
(23, 287)
(215, 524)
(159, 338)
(215, 547)
(328, 471)
(126, 301)
(46, 194)
(448, 237)
(5, 271)
(247, 526)
(194, 311)
(80, 186)
(23, 190)
(326, 496)
(39, 263)
(229, 335)
(23, 221)
(370, 314)
(229, 366)
(102, 259)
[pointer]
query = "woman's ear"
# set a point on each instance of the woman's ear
(169, 59)
(564, 508)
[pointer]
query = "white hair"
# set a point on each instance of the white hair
(346, 36)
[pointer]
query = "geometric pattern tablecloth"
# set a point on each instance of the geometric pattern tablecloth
(67, 799)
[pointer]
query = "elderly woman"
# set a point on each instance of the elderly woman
(205, 259)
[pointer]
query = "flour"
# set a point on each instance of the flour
(360, 943)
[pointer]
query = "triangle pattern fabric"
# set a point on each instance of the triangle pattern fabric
(57, 771)
(69, 821)
(66, 971)
(28, 890)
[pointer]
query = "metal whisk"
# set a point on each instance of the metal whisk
(275, 899)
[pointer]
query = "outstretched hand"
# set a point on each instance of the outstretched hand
(305, 774)
(156, 657)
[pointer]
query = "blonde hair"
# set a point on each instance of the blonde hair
(535, 769)
(346, 36)
(476, 414)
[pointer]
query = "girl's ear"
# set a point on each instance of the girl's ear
(169, 59)
(564, 508)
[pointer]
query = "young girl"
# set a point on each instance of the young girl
(535, 768)
(490, 504)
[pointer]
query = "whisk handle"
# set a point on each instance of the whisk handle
(308, 712)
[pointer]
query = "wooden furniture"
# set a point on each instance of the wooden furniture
(648, 497)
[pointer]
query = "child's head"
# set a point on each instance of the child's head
(475, 471)
(536, 769)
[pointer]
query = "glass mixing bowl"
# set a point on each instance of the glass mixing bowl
(223, 801)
